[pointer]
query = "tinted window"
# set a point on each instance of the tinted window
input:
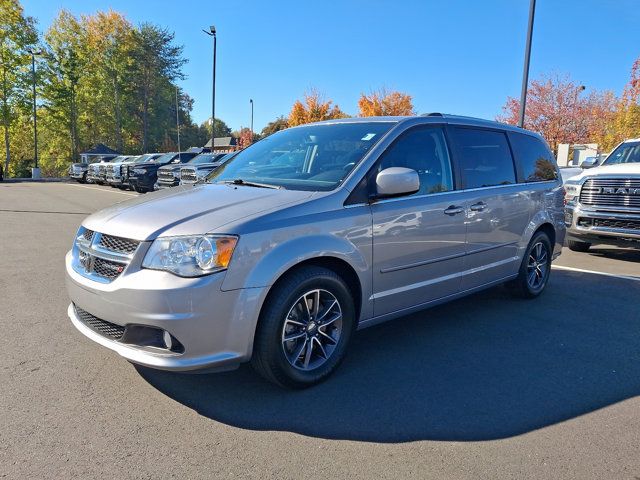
(534, 158)
(425, 151)
(484, 157)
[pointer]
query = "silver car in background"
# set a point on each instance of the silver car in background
(312, 233)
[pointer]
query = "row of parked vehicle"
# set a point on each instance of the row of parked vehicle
(151, 171)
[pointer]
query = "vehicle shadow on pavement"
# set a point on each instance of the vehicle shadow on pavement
(481, 368)
(626, 255)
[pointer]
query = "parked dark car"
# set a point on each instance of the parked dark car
(201, 166)
(143, 176)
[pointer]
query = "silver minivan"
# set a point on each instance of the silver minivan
(312, 233)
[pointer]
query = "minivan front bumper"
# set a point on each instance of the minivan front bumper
(214, 327)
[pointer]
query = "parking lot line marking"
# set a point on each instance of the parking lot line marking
(595, 272)
(42, 211)
(103, 190)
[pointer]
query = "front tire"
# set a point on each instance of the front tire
(576, 246)
(304, 328)
(535, 268)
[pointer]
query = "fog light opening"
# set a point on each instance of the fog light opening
(168, 341)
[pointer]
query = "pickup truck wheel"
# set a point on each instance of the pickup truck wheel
(304, 328)
(576, 246)
(140, 190)
(535, 268)
(83, 179)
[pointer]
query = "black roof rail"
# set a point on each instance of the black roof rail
(432, 114)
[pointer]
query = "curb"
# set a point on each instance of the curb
(35, 180)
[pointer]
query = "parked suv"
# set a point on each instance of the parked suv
(603, 203)
(289, 247)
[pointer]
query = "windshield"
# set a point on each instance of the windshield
(628, 152)
(147, 157)
(207, 158)
(312, 157)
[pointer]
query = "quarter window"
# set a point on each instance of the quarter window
(484, 158)
(534, 158)
(425, 151)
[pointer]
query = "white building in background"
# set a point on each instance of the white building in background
(579, 151)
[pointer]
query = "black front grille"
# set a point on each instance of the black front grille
(88, 235)
(610, 223)
(119, 244)
(107, 268)
(611, 192)
(104, 328)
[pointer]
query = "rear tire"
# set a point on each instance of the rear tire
(576, 246)
(535, 268)
(314, 309)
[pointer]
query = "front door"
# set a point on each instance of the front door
(419, 239)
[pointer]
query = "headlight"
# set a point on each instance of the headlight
(572, 192)
(191, 256)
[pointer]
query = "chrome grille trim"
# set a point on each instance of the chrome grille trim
(188, 175)
(591, 193)
(102, 258)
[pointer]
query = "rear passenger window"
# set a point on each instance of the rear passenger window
(484, 158)
(533, 157)
(423, 149)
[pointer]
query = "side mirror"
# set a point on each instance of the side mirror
(589, 163)
(397, 181)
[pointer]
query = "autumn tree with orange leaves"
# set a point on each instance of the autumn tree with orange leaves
(558, 110)
(314, 108)
(626, 120)
(383, 103)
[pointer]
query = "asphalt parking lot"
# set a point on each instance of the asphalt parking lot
(485, 387)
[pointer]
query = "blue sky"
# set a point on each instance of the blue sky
(457, 56)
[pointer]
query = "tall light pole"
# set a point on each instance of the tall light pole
(212, 33)
(35, 116)
(178, 120)
(251, 102)
(527, 57)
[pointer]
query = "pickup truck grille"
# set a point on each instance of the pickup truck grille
(188, 175)
(102, 257)
(611, 192)
(166, 176)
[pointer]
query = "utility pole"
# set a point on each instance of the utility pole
(178, 119)
(251, 102)
(36, 171)
(527, 57)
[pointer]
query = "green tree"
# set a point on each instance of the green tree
(156, 60)
(17, 35)
(66, 56)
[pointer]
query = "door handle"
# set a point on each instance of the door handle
(453, 210)
(478, 207)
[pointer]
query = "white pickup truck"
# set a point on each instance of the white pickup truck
(603, 203)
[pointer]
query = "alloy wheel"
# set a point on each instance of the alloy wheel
(312, 329)
(537, 266)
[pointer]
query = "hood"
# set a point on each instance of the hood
(188, 210)
(172, 167)
(618, 170)
(205, 165)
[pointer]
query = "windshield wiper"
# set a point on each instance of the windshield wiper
(239, 181)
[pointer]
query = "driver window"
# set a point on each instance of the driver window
(423, 149)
